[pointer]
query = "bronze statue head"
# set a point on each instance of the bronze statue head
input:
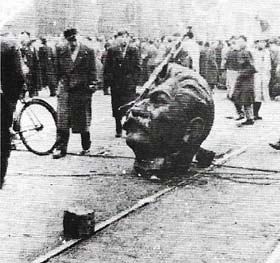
(166, 128)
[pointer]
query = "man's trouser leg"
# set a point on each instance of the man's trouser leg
(5, 123)
(86, 143)
(118, 125)
(231, 80)
(249, 112)
(62, 140)
(256, 108)
(266, 82)
(5, 152)
(238, 109)
(52, 90)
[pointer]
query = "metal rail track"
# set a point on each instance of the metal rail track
(141, 203)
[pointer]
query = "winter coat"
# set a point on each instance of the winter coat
(74, 92)
(122, 73)
(47, 66)
(208, 66)
(243, 93)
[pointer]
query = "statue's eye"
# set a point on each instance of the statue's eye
(159, 98)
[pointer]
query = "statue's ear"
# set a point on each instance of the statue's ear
(195, 130)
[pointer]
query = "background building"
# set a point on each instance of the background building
(115, 15)
(51, 17)
(211, 19)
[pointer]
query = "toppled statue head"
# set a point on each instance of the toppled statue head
(166, 128)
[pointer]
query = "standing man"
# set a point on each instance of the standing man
(190, 45)
(122, 69)
(46, 60)
(231, 66)
(243, 94)
(262, 63)
(103, 61)
(31, 63)
(12, 80)
(77, 82)
(218, 54)
(208, 65)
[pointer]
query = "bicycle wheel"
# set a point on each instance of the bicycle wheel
(37, 123)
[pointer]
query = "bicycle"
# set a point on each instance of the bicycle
(35, 124)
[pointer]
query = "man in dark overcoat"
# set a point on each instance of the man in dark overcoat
(121, 70)
(47, 66)
(77, 81)
(207, 65)
(12, 80)
(31, 61)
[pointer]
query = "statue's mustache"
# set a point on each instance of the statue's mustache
(137, 122)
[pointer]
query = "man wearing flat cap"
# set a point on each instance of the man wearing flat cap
(76, 83)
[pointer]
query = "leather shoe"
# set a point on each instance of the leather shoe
(256, 118)
(275, 146)
(118, 135)
(248, 122)
(57, 154)
(239, 118)
(84, 152)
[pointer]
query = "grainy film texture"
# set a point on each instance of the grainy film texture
(140, 131)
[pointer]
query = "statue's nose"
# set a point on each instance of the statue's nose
(140, 112)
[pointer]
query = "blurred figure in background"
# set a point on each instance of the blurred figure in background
(31, 61)
(218, 47)
(243, 94)
(231, 66)
(262, 63)
(47, 67)
(190, 45)
(106, 84)
(208, 66)
(152, 53)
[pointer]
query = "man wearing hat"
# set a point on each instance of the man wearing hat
(121, 70)
(76, 83)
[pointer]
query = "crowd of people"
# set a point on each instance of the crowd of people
(73, 67)
(214, 60)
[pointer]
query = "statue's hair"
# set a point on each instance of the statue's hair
(192, 92)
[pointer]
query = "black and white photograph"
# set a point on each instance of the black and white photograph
(143, 131)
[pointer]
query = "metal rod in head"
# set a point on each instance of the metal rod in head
(173, 53)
